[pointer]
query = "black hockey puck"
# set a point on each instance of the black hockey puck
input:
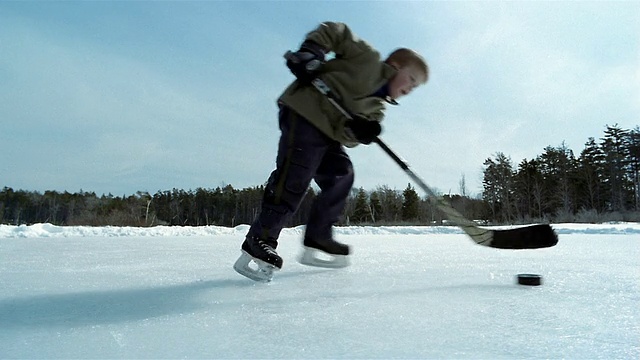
(529, 279)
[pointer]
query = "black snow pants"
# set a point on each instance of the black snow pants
(304, 154)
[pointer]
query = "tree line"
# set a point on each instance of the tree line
(602, 183)
(224, 206)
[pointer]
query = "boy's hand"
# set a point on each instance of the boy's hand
(306, 62)
(363, 129)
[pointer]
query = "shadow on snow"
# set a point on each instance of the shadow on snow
(126, 305)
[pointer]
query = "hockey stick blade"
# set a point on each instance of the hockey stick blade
(527, 237)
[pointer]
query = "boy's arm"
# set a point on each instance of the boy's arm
(338, 38)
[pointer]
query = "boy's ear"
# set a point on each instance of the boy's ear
(394, 64)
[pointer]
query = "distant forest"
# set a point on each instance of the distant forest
(601, 184)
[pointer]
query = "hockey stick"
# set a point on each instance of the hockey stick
(528, 237)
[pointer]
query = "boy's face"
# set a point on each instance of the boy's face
(406, 79)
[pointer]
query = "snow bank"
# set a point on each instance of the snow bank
(53, 231)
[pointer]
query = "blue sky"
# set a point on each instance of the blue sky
(119, 97)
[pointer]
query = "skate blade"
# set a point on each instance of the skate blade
(258, 271)
(309, 258)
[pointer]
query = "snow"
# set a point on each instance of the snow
(411, 292)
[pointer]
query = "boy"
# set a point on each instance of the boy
(314, 134)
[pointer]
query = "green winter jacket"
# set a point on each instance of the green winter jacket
(355, 74)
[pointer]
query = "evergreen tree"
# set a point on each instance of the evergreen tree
(558, 168)
(410, 205)
(498, 189)
(376, 206)
(617, 183)
(590, 173)
(528, 190)
(362, 211)
(634, 164)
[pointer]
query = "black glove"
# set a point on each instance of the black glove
(306, 62)
(363, 129)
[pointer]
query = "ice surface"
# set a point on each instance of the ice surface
(411, 292)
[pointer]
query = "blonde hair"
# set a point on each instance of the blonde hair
(404, 57)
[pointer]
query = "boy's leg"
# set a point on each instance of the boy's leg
(335, 178)
(301, 150)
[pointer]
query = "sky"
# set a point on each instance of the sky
(410, 293)
(127, 96)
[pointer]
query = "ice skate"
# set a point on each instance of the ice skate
(258, 260)
(327, 253)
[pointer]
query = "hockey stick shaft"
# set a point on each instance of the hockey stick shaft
(479, 235)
